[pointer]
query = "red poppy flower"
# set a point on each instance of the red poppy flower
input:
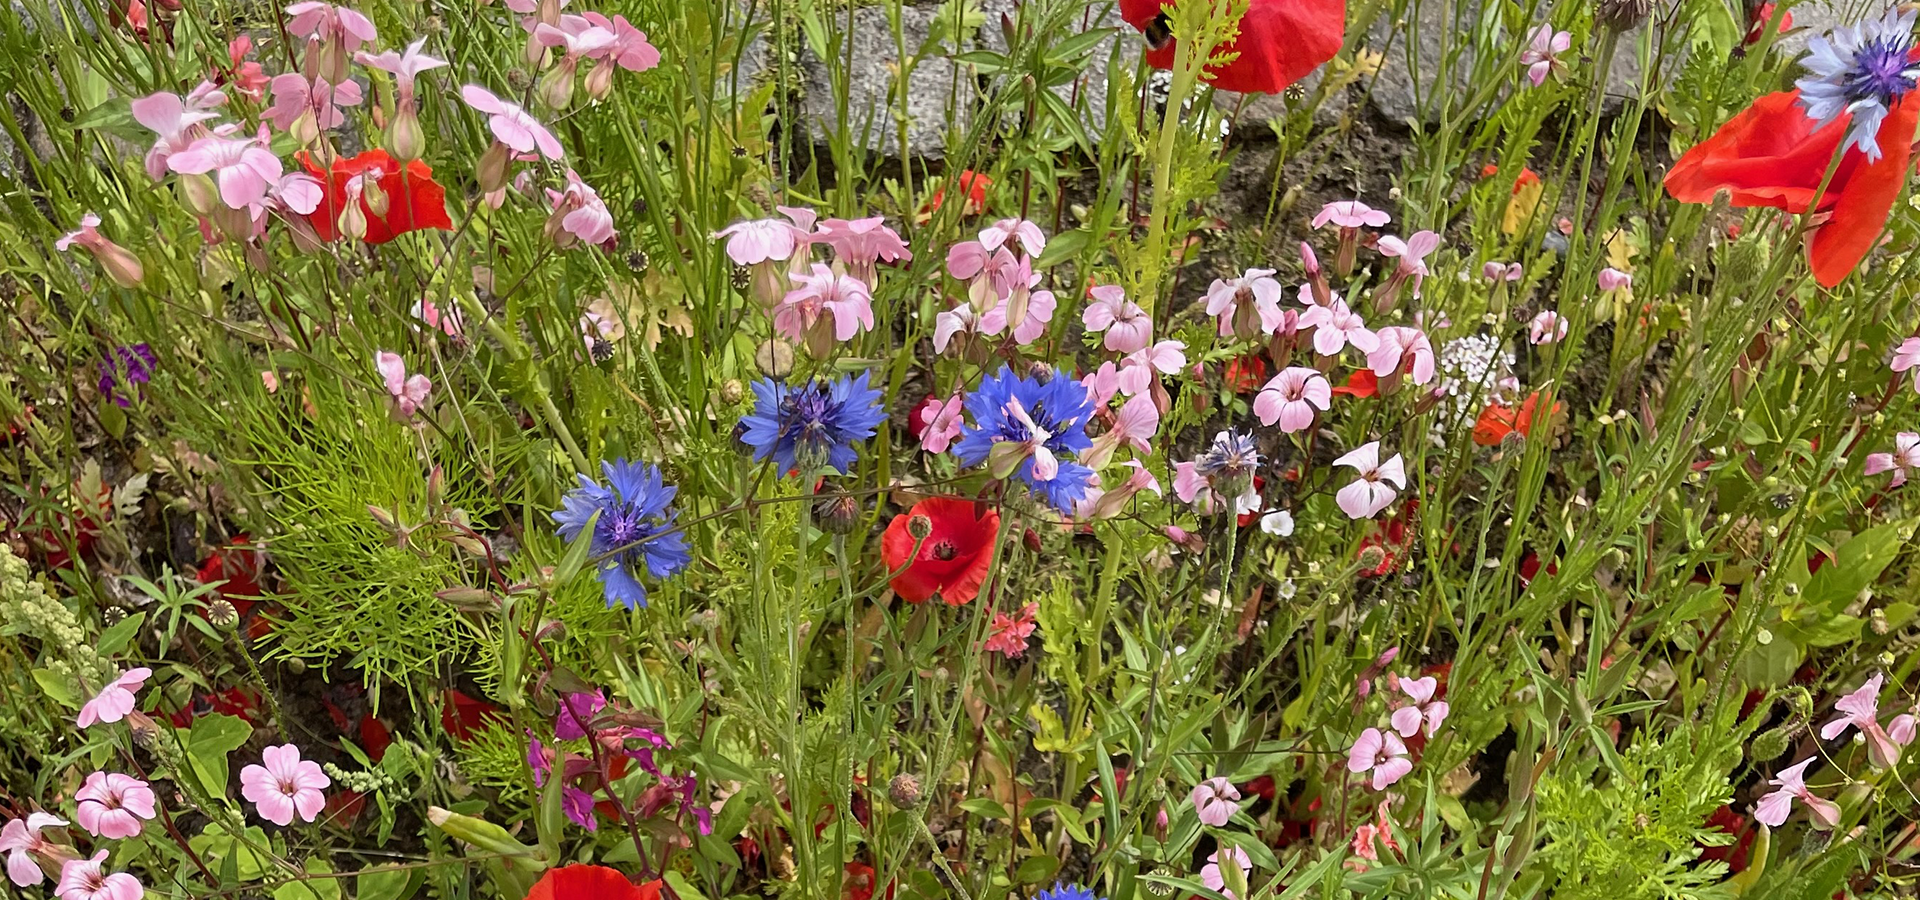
(1520, 182)
(1362, 383)
(591, 883)
(1245, 374)
(414, 201)
(973, 186)
(1772, 155)
(954, 558)
(1725, 819)
(1757, 25)
(1280, 41)
(1496, 421)
(463, 717)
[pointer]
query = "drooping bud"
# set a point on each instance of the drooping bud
(837, 513)
(492, 171)
(919, 527)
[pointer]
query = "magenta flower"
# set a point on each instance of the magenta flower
(86, 879)
(1907, 356)
(1542, 55)
(940, 421)
(118, 262)
(1350, 214)
(1402, 349)
(511, 124)
(1612, 279)
(1214, 800)
(111, 805)
(1773, 809)
(1210, 874)
(284, 786)
(1905, 455)
(1128, 327)
(1407, 719)
(1861, 709)
(1496, 272)
(114, 701)
(1290, 397)
(575, 716)
(243, 167)
(408, 393)
(1374, 490)
(1412, 254)
(579, 216)
(824, 307)
(1335, 327)
(862, 243)
(315, 103)
(20, 839)
(1246, 306)
(1548, 327)
(1383, 753)
(175, 121)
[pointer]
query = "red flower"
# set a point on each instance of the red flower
(591, 883)
(973, 186)
(954, 558)
(1725, 819)
(414, 201)
(1248, 518)
(1245, 374)
(1520, 182)
(1280, 41)
(463, 717)
(1771, 155)
(1761, 17)
(1496, 421)
(1362, 383)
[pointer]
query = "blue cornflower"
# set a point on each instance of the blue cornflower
(1860, 69)
(634, 506)
(1026, 425)
(1067, 892)
(813, 425)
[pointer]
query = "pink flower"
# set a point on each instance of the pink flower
(1861, 709)
(1136, 370)
(1901, 728)
(1211, 876)
(111, 805)
(118, 262)
(1246, 306)
(1381, 752)
(768, 240)
(175, 121)
(20, 839)
(1350, 214)
(1214, 800)
(1023, 232)
(1027, 310)
(511, 124)
(1907, 356)
(861, 243)
(1546, 328)
(1370, 493)
(1402, 349)
(246, 76)
(960, 321)
(448, 320)
(316, 103)
(1772, 810)
(942, 421)
(85, 879)
(1128, 327)
(1101, 384)
(1612, 279)
(1495, 272)
(824, 307)
(577, 36)
(1412, 254)
(579, 216)
(1369, 835)
(316, 21)
(409, 393)
(243, 167)
(1105, 504)
(1010, 633)
(405, 67)
(967, 259)
(115, 700)
(1542, 55)
(1289, 399)
(1335, 326)
(286, 785)
(1407, 719)
(1133, 426)
(630, 49)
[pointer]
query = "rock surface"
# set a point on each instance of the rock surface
(938, 96)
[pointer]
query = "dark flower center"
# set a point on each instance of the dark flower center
(944, 551)
(1880, 71)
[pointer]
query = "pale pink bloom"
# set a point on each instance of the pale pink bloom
(1381, 752)
(285, 785)
(1370, 834)
(1167, 357)
(270, 380)
(1907, 356)
(1861, 709)
(1772, 810)
(316, 21)
(409, 393)
(1403, 349)
(295, 192)
(1407, 719)
(578, 214)
(243, 167)
(1901, 728)
(1247, 305)
(1128, 327)
(118, 262)
(825, 300)
(1612, 279)
(175, 121)
(111, 805)
(1335, 327)
(1102, 383)
(294, 97)
(1374, 490)
(1495, 272)
(967, 259)
(1547, 328)
(1412, 254)
(115, 700)
(512, 125)
(86, 879)
(941, 419)
(1210, 873)
(1037, 307)
(576, 35)
(20, 839)
(447, 321)
(1278, 523)
(768, 240)
(1134, 426)
(960, 321)
(405, 67)
(1104, 504)
(1290, 397)
(1214, 800)
(1023, 232)
(1350, 214)
(630, 49)
(1542, 54)
(861, 243)
(1010, 633)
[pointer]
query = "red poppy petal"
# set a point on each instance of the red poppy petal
(1280, 41)
(1767, 155)
(589, 883)
(1860, 213)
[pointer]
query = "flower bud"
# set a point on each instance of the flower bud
(732, 391)
(405, 140)
(119, 263)
(556, 87)
(599, 82)
(1621, 15)
(904, 791)
(492, 171)
(837, 513)
(919, 527)
(1767, 745)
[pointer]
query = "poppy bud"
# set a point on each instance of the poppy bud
(904, 791)
(1372, 558)
(1031, 539)
(919, 527)
(1768, 745)
(492, 170)
(1743, 262)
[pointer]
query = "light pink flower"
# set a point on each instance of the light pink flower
(115, 700)
(1105, 504)
(1542, 54)
(20, 839)
(1407, 719)
(862, 243)
(1134, 426)
(1128, 327)
(1901, 728)
(1907, 356)
(1023, 232)
(294, 97)
(1214, 800)
(1861, 709)
(1246, 306)
(1612, 279)
(1290, 397)
(1374, 490)
(960, 321)
(285, 785)
(1383, 753)
(824, 303)
(1136, 370)
(578, 215)
(1412, 254)
(1772, 810)
(1210, 873)
(1350, 214)
(447, 321)
(1402, 349)
(1335, 326)
(86, 879)
(118, 262)
(630, 49)
(1028, 310)
(768, 240)
(409, 393)
(967, 259)
(941, 419)
(1101, 384)
(1546, 328)
(111, 805)
(1495, 272)
(243, 167)
(405, 67)
(512, 125)
(1010, 633)
(577, 36)
(175, 121)
(317, 21)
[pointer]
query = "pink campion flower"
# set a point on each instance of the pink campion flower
(1403, 349)
(21, 840)
(579, 216)
(1105, 504)
(1382, 753)
(1020, 231)
(118, 262)
(1548, 327)
(1247, 306)
(1374, 490)
(1290, 397)
(1350, 214)
(1412, 254)
(863, 243)
(1215, 880)
(316, 21)
(1907, 356)
(1102, 384)
(313, 106)
(1791, 784)
(966, 260)
(245, 75)
(243, 168)
(1010, 633)
(285, 786)
(758, 241)
(941, 422)
(1316, 292)
(1335, 327)
(448, 321)
(1612, 279)
(1901, 728)
(1134, 426)
(111, 805)
(114, 701)
(409, 393)
(1542, 54)
(1214, 800)
(175, 120)
(1496, 272)
(1135, 376)
(1027, 311)
(512, 126)
(1128, 327)
(630, 49)
(960, 321)
(1905, 456)
(87, 879)
(1861, 709)
(1424, 708)
(823, 308)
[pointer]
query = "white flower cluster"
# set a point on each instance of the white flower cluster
(1474, 371)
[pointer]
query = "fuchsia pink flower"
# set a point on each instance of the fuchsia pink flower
(1247, 306)
(408, 393)
(824, 307)
(1128, 327)
(1211, 876)
(314, 105)
(118, 262)
(1542, 55)
(111, 805)
(86, 879)
(512, 126)
(863, 243)
(1335, 327)
(1402, 349)
(20, 839)
(176, 122)
(1021, 231)
(1773, 809)
(243, 167)
(1010, 633)
(1290, 398)
(1612, 279)
(1861, 709)
(1546, 328)
(1423, 708)
(579, 216)
(1374, 490)
(940, 421)
(114, 701)
(1382, 753)
(1907, 356)
(285, 786)
(1214, 800)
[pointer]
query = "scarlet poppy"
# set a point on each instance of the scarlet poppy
(462, 716)
(1771, 155)
(1527, 177)
(953, 559)
(413, 200)
(1362, 384)
(973, 187)
(1496, 421)
(1280, 41)
(1245, 374)
(591, 883)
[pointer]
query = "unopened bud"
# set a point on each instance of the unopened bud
(556, 87)
(599, 81)
(904, 791)
(1621, 15)
(405, 140)
(1372, 557)
(837, 513)
(469, 599)
(919, 527)
(1743, 262)
(732, 391)
(492, 171)
(1767, 745)
(1031, 540)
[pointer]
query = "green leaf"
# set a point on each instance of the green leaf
(208, 742)
(388, 884)
(1856, 565)
(1036, 869)
(1063, 246)
(576, 557)
(115, 637)
(57, 688)
(1067, 52)
(312, 888)
(115, 112)
(237, 861)
(987, 807)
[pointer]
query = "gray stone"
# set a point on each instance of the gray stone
(1087, 95)
(938, 94)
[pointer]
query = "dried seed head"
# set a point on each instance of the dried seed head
(637, 261)
(732, 391)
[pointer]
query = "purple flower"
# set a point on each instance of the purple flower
(576, 714)
(578, 805)
(134, 362)
(1859, 71)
